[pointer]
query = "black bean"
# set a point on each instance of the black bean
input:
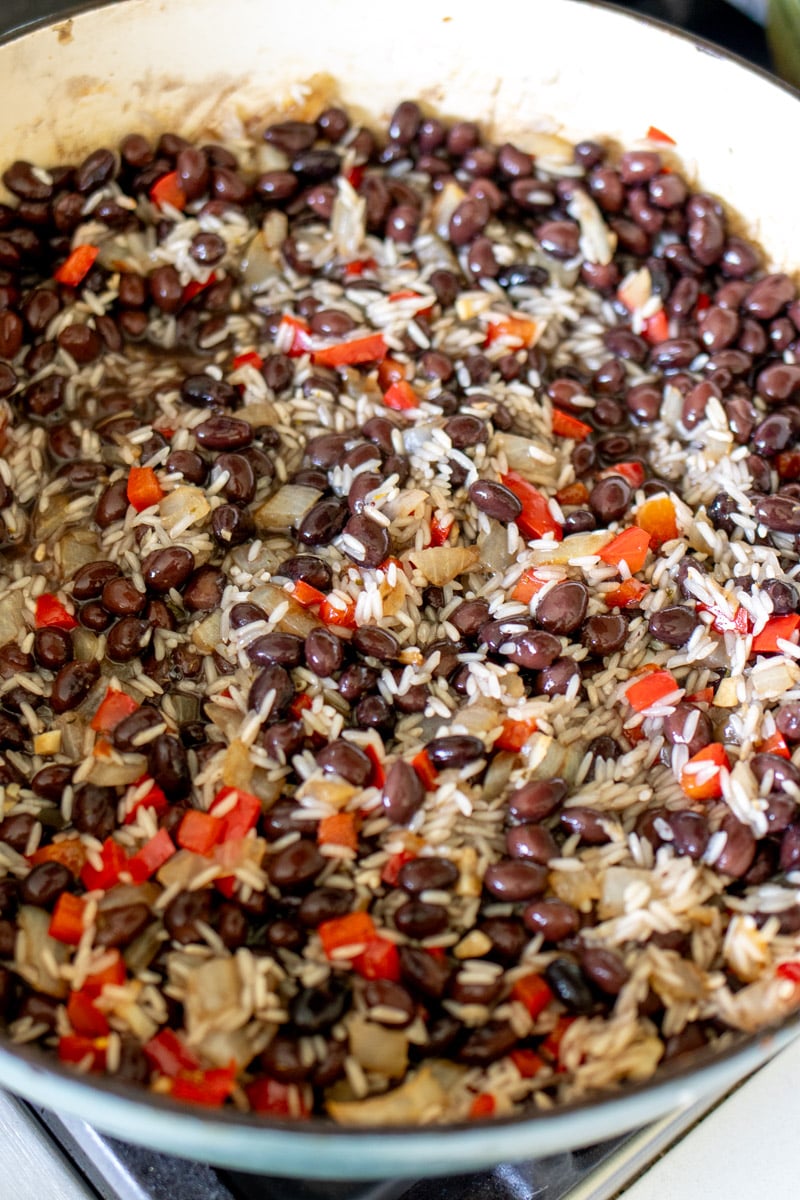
(16, 830)
(536, 800)
(167, 763)
(488, 1043)
(531, 842)
(403, 793)
(568, 983)
(50, 781)
(119, 926)
(203, 592)
(72, 684)
(555, 920)
(481, 261)
(221, 432)
(356, 681)
(122, 598)
(673, 625)
(95, 170)
(112, 504)
(127, 639)
(371, 542)
(605, 969)
(285, 649)
(283, 1060)
(496, 500)
(779, 513)
(43, 397)
(271, 679)
(690, 833)
(417, 919)
(323, 652)
(52, 648)
(782, 770)
(610, 498)
(466, 430)
(315, 1009)
(427, 873)
(470, 616)
(787, 720)
(556, 679)
(296, 867)
(739, 850)
(454, 750)
(44, 884)
(587, 823)
(324, 904)
(765, 299)
(783, 595)
(515, 879)
(203, 391)
(468, 220)
(323, 522)
(41, 1009)
(533, 651)
(346, 759)
(563, 607)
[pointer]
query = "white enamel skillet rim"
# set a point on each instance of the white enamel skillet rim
(69, 86)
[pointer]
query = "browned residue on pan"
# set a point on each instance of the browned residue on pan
(64, 32)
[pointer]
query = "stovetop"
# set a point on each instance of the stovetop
(51, 1157)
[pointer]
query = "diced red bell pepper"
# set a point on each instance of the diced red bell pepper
(307, 595)
(532, 991)
(656, 328)
(355, 176)
(358, 266)
(241, 818)
(66, 923)
(566, 426)
(527, 1062)
(722, 622)
(627, 594)
(279, 1099)
(409, 294)
(338, 609)
(657, 518)
(426, 770)
(401, 396)
(73, 1048)
(198, 831)
(378, 960)
(371, 348)
(572, 494)
(657, 135)
(704, 696)
(630, 546)
(551, 1046)
(483, 1105)
(394, 865)
(441, 524)
(787, 465)
(51, 613)
(649, 689)
(527, 586)
(195, 286)
(535, 520)
(112, 975)
(632, 472)
(300, 702)
(294, 332)
(520, 330)
(152, 855)
(77, 265)
(167, 1054)
(113, 708)
(167, 190)
(514, 735)
(339, 829)
(210, 1088)
(85, 1017)
(353, 929)
(789, 970)
(153, 798)
(390, 371)
(775, 744)
(71, 852)
(251, 358)
(697, 788)
(114, 860)
(378, 776)
(143, 489)
(777, 629)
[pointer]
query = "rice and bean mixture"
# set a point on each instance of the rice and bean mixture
(398, 628)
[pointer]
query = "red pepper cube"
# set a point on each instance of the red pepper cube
(238, 819)
(77, 266)
(251, 358)
(168, 190)
(371, 348)
(167, 1054)
(85, 1017)
(354, 931)
(51, 613)
(141, 796)
(514, 734)
(113, 708)
(649, 689)
(338, 610)
(483, 1105)
(551, 1046)
(143, 489)
(152, 855)
(76, 1049)
(630, 546)
(700, 777)
(426, 770)
(401, 396)
(776, 629)
(566, 426)
(527, 1062)
(379, 960)
(66, 923)
(280, 1099)
(113, 860)
(535, 521)
(210, 1088)
(393, 866)
(532, 991)
(441, 524)
(113, 975)
(199, 832)
(789, 970)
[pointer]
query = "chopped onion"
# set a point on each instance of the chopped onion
(123, 894)
(616, 882)
(498, 774)
(326, 789)
(348, 220)
(48, 523)
(443, 564)
(185, 501)
(259, 265)
(494, 548)
(577, 545)
(444, 205)
(10, 616)
(527, 456)
(182, 868)
(111, 772)
(237, 766)
(286, 509)
(296, 619)
(420, 1095)
(214, 999)
(377, 1048)
(75, 549)
(30, 958)
(143, 949)
(84, 644)
(207, 634)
